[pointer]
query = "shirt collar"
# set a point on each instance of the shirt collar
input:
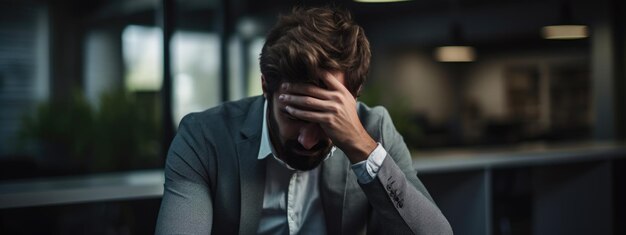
(266, 148)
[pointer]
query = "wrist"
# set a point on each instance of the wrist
(360, 150)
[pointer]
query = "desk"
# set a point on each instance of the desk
(81, 189)
(557, 189)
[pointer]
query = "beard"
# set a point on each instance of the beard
(292, 155)
(292, 152)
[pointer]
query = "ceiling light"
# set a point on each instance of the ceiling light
(564, 32)
(455, 54)
(566, 28)
(380, 1)
(457, 49)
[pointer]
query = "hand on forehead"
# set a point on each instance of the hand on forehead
(330, 82)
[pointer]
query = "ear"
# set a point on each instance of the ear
(264, 86)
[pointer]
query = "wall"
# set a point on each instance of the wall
(486, 85)
(418, 81)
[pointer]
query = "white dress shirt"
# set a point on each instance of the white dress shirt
(291, 201)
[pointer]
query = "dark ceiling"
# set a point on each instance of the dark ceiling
(423, 22)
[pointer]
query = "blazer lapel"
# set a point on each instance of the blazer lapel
(333, 190)
(251, 170)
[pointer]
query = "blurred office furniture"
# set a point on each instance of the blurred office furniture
(568, 190)
(112, 203)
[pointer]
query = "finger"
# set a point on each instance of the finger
(306, 102)
(307, 90)
(306, 115)
(333, 83)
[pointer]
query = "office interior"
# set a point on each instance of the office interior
(513, 110)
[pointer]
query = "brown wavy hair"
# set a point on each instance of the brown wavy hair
(305, 44)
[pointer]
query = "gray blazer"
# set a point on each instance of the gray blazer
(214, 182)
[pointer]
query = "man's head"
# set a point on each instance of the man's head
(305, 44)
(301, 48)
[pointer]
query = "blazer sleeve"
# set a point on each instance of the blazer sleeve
(186, 207)
(400, 201)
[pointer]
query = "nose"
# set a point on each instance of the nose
(310, 135)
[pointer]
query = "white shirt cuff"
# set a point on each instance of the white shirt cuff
(366, 170)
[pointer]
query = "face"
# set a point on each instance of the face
(302, 145)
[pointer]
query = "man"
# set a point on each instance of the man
(304, 158)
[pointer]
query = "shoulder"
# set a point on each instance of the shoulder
(376, 120)
(376, 114)
(220, 123)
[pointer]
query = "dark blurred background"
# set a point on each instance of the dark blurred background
(92, 89)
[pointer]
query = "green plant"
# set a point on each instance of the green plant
(61, 129)
(127, 132)
(121, 134)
